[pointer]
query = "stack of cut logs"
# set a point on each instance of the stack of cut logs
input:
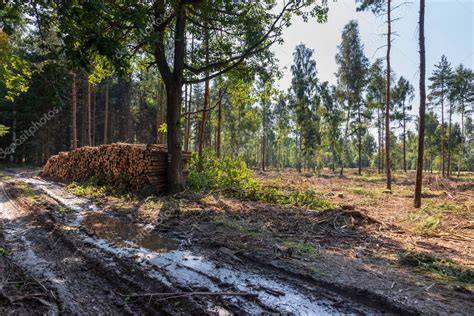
(134, 165)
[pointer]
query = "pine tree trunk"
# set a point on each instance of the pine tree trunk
(93, 121)
(421, 132)
(442, 130)
(187, 130)
(387, 104)
(88, 115)
(461, 149)
(73, 144)
(359, 137)
(448, 171)
(219, 124)
(299, 152)
(186, 116)
(106, 113)
(379, 161)
(206, 97)
(404, 141)
(344, 150)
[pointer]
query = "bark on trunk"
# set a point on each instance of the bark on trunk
(359, 136)
(206, 97)
(379, 127)
(89, 114)
(404, 141)
(448, 170)
(442, 130)
(387, 101)
(461, 149)
(73, 144)
(343, 158)
(160, 137)
(219, 124)
(421, 132)
(106, 113)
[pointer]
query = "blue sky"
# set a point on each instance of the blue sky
(449, 30)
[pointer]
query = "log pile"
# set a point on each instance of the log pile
(132, 165)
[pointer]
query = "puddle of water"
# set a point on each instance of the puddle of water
(124, 234)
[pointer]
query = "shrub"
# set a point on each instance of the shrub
(233, 178)
(226, 175)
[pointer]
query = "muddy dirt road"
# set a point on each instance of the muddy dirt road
(87, 261)
(92, 263)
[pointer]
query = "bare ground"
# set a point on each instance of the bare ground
(349, 254)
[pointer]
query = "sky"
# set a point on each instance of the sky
(449, 30)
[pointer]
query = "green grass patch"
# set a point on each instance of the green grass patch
(427, 220)
(372, 193)
(93, 189)
(439, 268)
(25, 189)
(62, 210)
(153, 202)
(232, 224)
(368, 177)
(302, 247)
(87, 189)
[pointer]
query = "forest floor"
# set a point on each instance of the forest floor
(371, 253)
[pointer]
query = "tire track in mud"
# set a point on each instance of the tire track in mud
(186, 271)
(84, 282)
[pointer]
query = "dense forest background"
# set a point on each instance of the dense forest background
(49, 104)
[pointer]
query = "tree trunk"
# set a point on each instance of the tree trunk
(187, 131)
(421, 135)
(160, 137)
(106, 113)
(206, 97)
(379, 127)
(73, 144)
(359, 137)
(298, 140)
(219, 124)
(387, 101)
(174, 85)
(186, 116)
(448, 170)
(343, 158)
(93, 121)
(442, 130)
(89, 114)
(461, 149)
(88, 140)
(404, 141)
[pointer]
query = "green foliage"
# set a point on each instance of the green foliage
(87, 189)
(437, 266)
(4, 130)
(233, 178)
(93, 188)
(15, 72)
(25, 189)
(227, 175)
(3, 252)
